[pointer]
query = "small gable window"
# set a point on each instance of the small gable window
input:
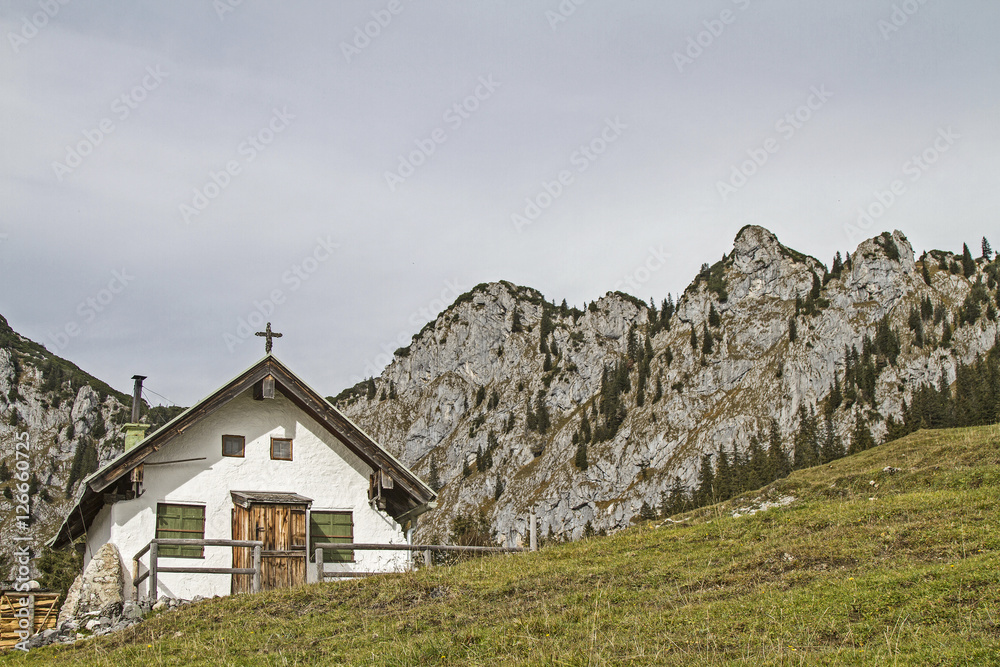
(180, 522)
(234, 445)
(281, 449)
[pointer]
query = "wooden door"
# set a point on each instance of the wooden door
(282, 528)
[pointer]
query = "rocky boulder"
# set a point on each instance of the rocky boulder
(99, 589)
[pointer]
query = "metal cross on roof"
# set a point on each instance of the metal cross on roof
(268, 334)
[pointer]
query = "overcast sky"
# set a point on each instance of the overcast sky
(170, 168)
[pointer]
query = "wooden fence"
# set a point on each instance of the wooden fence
(32, 612)
(155, 569)
(427, 549)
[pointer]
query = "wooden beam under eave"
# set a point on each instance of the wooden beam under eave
(137, 455)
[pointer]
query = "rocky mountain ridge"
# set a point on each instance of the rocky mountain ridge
(71, 422)
(492, 399)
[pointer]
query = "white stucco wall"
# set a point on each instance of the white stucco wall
(322, 469)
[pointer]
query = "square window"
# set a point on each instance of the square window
(281, 449)
(335, 527)
(184, 522)
(234, 445)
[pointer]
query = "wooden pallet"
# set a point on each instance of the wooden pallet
(42, 608)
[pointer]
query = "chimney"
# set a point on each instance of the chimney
(135, 431)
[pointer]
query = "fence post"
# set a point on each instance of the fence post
(319, 566)
(256, 568)
(153, 549)
(428, 558)
(135, 575)
(532, 531)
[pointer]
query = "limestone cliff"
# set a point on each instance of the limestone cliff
(462, 404)
(70, 421)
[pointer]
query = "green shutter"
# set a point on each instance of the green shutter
(336, 527)
(180, 522)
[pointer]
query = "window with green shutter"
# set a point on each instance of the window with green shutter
(185, 522)
(336, 527)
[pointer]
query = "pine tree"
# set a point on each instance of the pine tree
(706, 346)
(861, 438)
(713, 316)
(632, 347)
(480, 396)
(723, 476)
(816, 287)
(580, 460)
(706, 482)
(370, 389)
(968, 264)
(757, 465)
(987, 250)
(667, 311)
(433, 480)
(694, 339)
(545, 327)
(836, 396)
(806, 452)
(925, 272)
(541, 412)
(793, 330)
(831, 448)
(678, 501)
(837, 267)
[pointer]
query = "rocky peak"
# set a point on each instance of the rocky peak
(882, 269)
(755, 249)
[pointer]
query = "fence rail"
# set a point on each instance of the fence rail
(154, 569)
(427, 549)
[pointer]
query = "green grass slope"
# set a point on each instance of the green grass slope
(864, 567)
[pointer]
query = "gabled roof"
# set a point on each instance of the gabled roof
(407, 496)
